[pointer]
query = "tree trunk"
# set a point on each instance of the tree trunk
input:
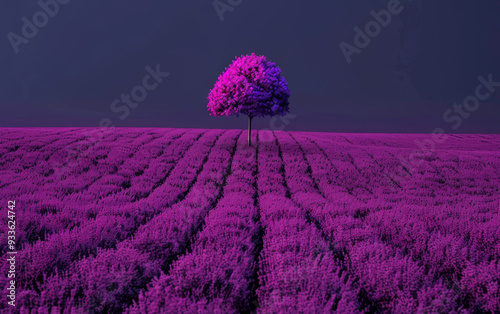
(249, 131)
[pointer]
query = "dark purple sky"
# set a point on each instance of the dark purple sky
(90, 52)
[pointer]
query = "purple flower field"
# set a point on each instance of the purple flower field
(144, 220)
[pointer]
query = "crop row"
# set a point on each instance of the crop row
(112, 224)
(172, 220)
(217, 272)
(297, 269)
(155, 244)
(386, 279)
(425, 243)
(45, 214)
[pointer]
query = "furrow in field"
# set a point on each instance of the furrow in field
(218, 271)
(316, 224)
(152, 248)
(133, 169)
(105, 166)
(18, 164)
(446, 222)
(28, 153)
(344, 172)
(432, 236)
(27, 138)
(29, 191)
(47, 214)
(452, 239)
(112, 225)
(88, 169)
(29, 166)
(386, 278)
(42, 194)
(297, 269)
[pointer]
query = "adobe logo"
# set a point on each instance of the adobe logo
(30, 28)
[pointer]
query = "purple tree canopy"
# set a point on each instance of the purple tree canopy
(252, 86)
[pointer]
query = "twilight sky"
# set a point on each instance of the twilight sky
(72, 69)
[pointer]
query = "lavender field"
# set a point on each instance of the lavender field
(190, 220)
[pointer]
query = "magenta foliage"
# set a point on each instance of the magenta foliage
(158, 241)
(343, 189)
(252, 86)
(218, 269)
(100, 284)
(173, 220)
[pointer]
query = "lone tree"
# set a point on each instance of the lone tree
(252, 86)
